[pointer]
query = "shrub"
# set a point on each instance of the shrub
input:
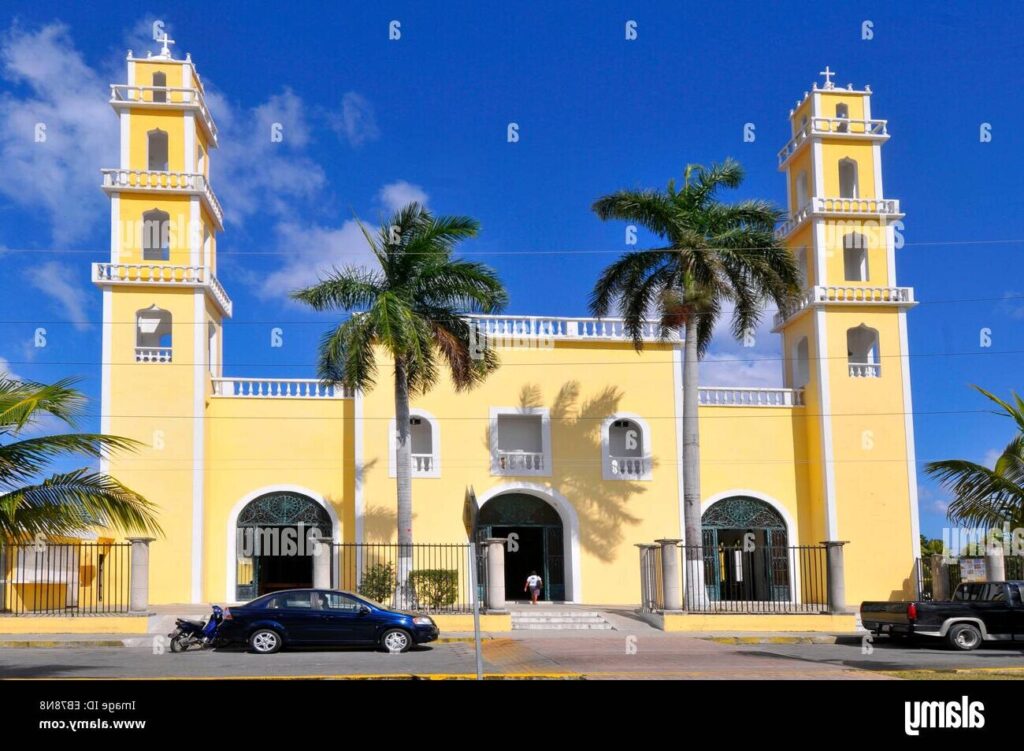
(436, 588)
(378, 582)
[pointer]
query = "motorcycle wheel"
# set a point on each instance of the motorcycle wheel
(179, 643)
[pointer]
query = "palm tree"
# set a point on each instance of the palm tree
(714, 253)
(66, 503)
(412, 306)
(986, 497)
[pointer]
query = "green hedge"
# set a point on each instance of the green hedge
(436, 588)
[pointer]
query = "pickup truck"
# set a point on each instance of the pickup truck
(979, 611)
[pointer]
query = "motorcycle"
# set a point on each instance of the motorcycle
(189, 633)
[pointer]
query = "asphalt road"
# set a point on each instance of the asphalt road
(605, 656)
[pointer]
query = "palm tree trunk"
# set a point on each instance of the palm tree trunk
(695, 593)
(404, 596)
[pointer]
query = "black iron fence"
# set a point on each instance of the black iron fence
(757, 579)
(81, 578)
(437, 575)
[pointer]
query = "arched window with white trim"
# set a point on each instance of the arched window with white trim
(425, 437)
(626, 448)
(156, 235)
(801, 364)
(848, 178)
(855, 257)
(159, 87)
(153, 335)
(863, 352)
(802, 189)
(842, 113)
(156, 143)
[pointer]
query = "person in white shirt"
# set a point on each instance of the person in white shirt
(533, 583)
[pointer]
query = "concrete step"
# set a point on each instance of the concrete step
(562, 626)
(556, 619)
(559, 620)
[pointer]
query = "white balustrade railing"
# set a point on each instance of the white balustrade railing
(628, 467)
(723, 396)
(881, 207)
(847, 295)
(176, 182)
(865, 370)
(162, 273)
(520, 462)
(422, 464)
(506, 329)
(171, 96)
(840, 126)
(278, 388)
(152, 354)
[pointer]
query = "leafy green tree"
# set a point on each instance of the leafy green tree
(714, 255)
(33, 503)
(412, 306)
(983, 496)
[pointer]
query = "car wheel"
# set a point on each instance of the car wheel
(265, 641)
(396, 640)
(964, 637)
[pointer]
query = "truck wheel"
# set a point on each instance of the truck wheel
(964, 637)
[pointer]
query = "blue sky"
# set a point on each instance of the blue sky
(369, 123)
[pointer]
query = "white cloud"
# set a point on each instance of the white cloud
(254, 172)
(990, 457)
(64, 102)
(51, 278)
(357, 122)
(6, 372)
(730, 363)
(399, 193)
(312, 252)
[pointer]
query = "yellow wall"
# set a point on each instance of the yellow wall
(581, 384)
(263, 444)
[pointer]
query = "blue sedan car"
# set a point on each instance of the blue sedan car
(320, 617)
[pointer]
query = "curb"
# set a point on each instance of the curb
(824, 639)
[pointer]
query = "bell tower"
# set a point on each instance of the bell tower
(845, 340)
(163, 307)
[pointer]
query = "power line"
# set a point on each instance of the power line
(762, 411)
(981, 351)
(511, 316)
(362, 253)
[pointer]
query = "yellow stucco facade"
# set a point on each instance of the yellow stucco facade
(576, 432)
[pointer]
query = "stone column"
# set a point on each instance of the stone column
(671, 575)
(648, 578)
(138, 600)
(323, 557)
(836, 576)
(940, 576)
(495, 573)
(995, 564)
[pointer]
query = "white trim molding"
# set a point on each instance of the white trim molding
(544, 468)
(828, 451)
(434, 465)
(198, 443)
(570, 527)
(908, 426)
(609, 469)
(231, 580)
(677, 403)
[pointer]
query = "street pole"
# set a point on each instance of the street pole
(476, 611)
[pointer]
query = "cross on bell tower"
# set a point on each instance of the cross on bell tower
(165, 51)
(828, 77)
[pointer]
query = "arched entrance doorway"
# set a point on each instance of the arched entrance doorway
(746, 555)
(538, 542)
(272, 545)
